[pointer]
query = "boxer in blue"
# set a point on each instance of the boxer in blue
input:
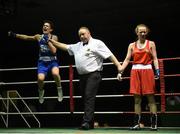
(47, 57)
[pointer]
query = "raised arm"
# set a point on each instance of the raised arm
(27, 37)
(59, 45)
(23, 36)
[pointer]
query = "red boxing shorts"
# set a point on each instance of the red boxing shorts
(142, 80)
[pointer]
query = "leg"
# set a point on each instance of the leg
(57, 78)
(137, 104)
(152, 104)
(41, 78)
(153, 111)
(137, 109)
(91, 85)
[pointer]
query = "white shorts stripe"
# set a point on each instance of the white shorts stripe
(141, 66)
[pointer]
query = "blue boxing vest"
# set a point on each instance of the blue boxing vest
(44, 52)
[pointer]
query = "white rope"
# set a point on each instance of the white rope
(35, 82)
(27, 113)
(30, 82)
(27, 68)
(34, 68)
(65, 97)
(100, 112)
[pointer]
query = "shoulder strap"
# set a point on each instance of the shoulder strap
(147, 44)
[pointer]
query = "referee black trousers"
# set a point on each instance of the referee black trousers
(89, 84)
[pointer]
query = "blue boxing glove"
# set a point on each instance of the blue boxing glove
(157, 74)
(46, 38)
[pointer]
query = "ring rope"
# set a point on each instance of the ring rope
(99, 112)
(171, 75)
(162, 88)
(175, 58)
(97, 96)
(33, 68)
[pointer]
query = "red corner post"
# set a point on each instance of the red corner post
(162, 86)
(71, 75)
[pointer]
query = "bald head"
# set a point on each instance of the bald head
(84, 34)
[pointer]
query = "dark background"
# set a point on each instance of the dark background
(112, 21)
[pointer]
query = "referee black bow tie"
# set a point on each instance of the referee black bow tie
(85, 43)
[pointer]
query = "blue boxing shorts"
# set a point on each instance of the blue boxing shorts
(46, 66)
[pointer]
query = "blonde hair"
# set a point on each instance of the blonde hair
(142, 25)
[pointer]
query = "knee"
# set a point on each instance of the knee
(137, 100)
(55, 72)
(151, 100)
(41, 78)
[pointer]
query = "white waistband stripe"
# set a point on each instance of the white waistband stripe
(140, 66)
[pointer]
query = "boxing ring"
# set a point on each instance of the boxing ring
(15, 103)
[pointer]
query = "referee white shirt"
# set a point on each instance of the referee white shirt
(89, 58)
